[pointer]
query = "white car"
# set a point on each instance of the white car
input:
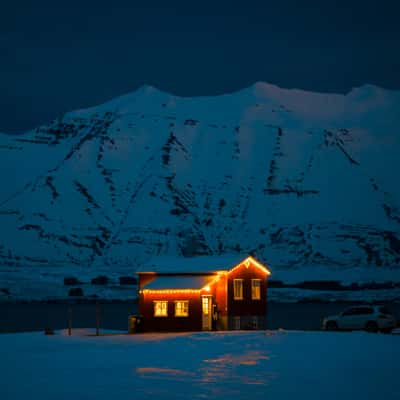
(370, 318)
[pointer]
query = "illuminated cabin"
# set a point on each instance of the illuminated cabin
(217, 294)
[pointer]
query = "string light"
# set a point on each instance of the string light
(169, 291)
(247, 262)
(251, 260)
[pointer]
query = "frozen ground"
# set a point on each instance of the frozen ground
(241, 365)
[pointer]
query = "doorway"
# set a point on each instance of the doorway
(206, 306)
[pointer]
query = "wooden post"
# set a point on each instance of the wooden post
(97, 318)
(69, 321)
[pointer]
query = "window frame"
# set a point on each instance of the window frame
(241, 289)
(384, 310)
(365, 311)
(348, 312)
(155, 308)
(237, 323)
(253, 280)
(187, 308)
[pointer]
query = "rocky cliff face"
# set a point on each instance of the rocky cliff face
(297, 178)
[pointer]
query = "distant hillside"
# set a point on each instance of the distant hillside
(294, 177)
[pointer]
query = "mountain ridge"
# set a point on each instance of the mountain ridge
(257, 86)
(151, 89)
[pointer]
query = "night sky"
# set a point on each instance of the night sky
(57, 56)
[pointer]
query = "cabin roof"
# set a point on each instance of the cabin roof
(191, 264)
(179, 282)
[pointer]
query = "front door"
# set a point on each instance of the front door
(206, 305)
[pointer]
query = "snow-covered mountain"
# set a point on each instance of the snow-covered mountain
(297, 178)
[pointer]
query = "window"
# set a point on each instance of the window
(182, 308)
(364, 310)
(384, 310)
(357, 311)
(161, 308)
(206, 305)
(349, 311)
(256, 289)
(236, 322)
(238, 289)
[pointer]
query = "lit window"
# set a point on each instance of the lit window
(256, 289)
(182, 308)
(161, 308)
(238, 289)
(206, 305)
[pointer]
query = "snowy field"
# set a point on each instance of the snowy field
(240, 365)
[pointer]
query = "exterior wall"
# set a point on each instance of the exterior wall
(247, 322)
(193, 322)
(220, 301)
(221, 295)
(247, 308)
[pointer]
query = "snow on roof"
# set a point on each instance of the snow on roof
(192, 264)
(180, 282)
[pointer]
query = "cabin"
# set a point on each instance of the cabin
(203, 294)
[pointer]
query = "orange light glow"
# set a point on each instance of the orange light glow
(247, 262)
(216, 279)
(169, 291)
(251, 260)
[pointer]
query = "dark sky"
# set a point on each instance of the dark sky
(57, 55)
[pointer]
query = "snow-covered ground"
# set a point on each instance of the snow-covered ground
(241, 365)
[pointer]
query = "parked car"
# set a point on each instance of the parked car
(370, 318)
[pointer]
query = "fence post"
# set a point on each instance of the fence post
(69, 321)
(97, 318)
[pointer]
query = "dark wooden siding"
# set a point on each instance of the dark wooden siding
(247, 306)
(170, 323)
(220, 295)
